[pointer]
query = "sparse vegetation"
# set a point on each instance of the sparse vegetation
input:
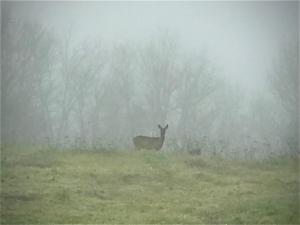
(82, 186)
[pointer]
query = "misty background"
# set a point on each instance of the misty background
(92, 75)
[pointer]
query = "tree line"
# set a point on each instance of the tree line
(57, 92)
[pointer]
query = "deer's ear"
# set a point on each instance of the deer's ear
(167, 126)
(159, 126)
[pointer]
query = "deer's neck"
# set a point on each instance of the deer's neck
(162, 138)
(161, 141)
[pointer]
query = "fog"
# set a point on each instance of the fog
(222, 75)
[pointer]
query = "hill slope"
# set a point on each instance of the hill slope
(51, 186)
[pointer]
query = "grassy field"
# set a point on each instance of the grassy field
(52, 186)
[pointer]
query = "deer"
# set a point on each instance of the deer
(154, 143)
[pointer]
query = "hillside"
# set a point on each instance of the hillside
(55, 186)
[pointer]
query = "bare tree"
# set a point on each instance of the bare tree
(70, 61)
(27, 59)
(284, 81)
(85, 78)
(160, 69)
(118, 93)
(197, 84)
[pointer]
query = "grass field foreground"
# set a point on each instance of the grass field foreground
(78, 186)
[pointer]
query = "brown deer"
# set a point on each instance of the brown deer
(144, 142)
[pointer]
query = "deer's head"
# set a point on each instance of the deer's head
(163, 130)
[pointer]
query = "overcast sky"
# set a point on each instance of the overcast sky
(240, 37)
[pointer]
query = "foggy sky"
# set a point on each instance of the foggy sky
(241, 38)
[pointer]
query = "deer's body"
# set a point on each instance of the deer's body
(144, 142)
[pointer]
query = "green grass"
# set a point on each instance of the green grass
(53, 186)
